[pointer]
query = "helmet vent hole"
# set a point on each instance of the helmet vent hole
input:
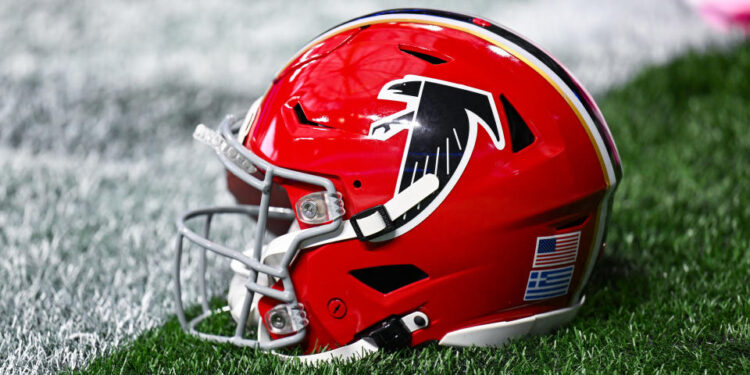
(573, 223)
(386, 279)
(432, 57)
(520, 134)
(302, 118)
(357, 184)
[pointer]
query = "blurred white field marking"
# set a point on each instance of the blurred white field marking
(85, 239)
(241, 44)
(86, 250)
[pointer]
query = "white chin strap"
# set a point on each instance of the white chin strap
(372, 223)
(356, 350)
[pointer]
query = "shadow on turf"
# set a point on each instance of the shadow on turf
(615, 283)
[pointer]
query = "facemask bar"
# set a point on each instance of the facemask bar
(235, 156)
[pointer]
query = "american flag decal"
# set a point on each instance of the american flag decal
(556, 250)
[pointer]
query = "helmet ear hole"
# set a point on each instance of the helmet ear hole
(357, 184)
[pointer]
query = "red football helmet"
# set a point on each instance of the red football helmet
(429, 176)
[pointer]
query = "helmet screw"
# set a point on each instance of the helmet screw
(337, 308)
(278, 321)
(309, 209)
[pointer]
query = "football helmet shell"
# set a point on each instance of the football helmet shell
(444, 179)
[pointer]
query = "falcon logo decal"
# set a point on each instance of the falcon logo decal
(442, 119)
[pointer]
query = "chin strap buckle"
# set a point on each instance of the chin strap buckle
(372, 223)
(390, 335)
(395, 333)
(377, 221)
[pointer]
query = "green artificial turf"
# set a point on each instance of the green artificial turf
(671, 294)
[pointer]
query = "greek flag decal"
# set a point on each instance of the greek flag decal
(549, 283)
